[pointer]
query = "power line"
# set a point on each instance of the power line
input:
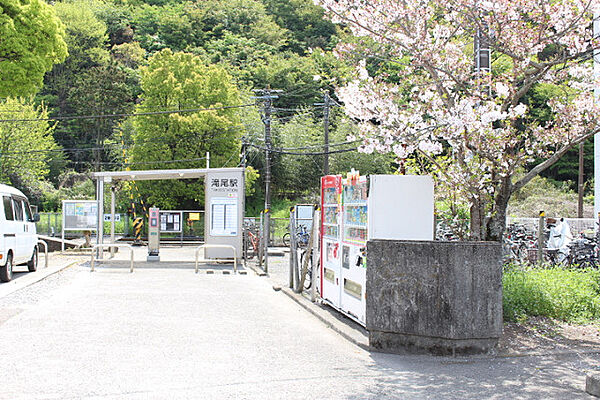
(140, 162)
(318, 145)
(280, 151)
(140, 114)
(108, 146)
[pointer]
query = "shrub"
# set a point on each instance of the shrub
(565, 294)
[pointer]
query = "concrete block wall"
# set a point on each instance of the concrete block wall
(435, 297)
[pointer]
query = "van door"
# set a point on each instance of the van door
(30, 229)
(9, 230)
(20, 231)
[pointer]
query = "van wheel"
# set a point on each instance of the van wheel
(6, 271)
(32, 264)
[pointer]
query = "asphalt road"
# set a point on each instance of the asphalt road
(171, 334)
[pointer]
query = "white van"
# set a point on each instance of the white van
(18, 237)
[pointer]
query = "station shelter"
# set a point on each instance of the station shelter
(223, 202)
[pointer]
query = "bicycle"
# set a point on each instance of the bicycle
(308, 279)
(251, 239)
(302, 237)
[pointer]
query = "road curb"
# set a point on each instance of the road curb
(360, 339)
(44, 273)
(256, 270)
(352, 335)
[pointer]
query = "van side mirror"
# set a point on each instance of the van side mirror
(36, 217)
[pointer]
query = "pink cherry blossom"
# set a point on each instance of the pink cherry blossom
(479, 120)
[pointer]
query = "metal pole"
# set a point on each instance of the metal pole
(540, 250)
(261, 239)
(112, 218)
(267, 96)
(62, 229)
(580, 183)
(100, 220)
(207, 160)
(267, 221)
(316, 255)
(292, 246)
(596, 136)
(326, 133)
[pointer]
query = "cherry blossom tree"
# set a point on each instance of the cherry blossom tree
(431, 100)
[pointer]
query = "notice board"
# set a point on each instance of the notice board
(170, 221)
(80, 215)
(224, 216)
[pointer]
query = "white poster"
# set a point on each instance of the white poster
(224, 216)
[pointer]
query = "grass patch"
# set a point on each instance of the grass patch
(570, 295)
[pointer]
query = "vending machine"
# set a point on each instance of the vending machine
(354, 243)
(357, 209)
(331, 208)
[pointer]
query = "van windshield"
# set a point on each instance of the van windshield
(8, 210)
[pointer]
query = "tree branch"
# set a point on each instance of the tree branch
(550, 161)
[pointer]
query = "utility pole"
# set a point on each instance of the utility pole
(267, 96)
(596, 27)
(580, 183)
(326, 104)
(243, 155)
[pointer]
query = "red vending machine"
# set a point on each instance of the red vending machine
(331, 208)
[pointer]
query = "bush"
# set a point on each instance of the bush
(565, 294)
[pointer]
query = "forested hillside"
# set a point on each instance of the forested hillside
(158, 84)
(114, 84)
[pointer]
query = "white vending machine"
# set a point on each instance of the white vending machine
(354, 242)
(396, 207)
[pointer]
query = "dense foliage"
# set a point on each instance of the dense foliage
(31, 41)
(118, 58)
(570, 295)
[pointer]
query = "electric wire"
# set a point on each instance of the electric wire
(140, 114)
(275, 150)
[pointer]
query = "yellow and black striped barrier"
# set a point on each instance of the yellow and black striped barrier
(138, 224)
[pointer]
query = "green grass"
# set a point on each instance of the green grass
(570, 295)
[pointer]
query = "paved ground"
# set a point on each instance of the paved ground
(167, 333)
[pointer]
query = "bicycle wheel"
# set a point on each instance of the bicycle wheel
(286, 239)
(308, 279)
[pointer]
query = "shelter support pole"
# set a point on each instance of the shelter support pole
(100, 224)
(112, 218)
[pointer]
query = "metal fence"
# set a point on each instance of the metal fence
(50, 224)
(577, 225)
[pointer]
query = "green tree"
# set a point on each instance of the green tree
(25, 146)
(305, 21)
(31, 42)
(86, 40)
(92, 80)
(181, 81)
(97, 91)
